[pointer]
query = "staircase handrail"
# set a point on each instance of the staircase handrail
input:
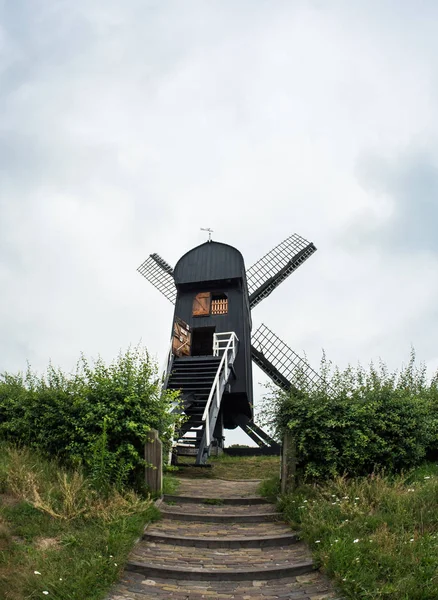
(224, 365)
(167, 368)
(218, 342)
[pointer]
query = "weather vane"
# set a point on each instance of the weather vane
(210, 231)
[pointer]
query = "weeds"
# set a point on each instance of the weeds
(270, 488)
(377, 536)
(60, 535)
(66, 495)
(170, 485)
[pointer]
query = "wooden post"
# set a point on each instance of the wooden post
(288, 463)
(153, 455)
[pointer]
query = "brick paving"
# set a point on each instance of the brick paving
(303, 587)
(216, 509)
(192, 560)
(219, 559)
(179, 529)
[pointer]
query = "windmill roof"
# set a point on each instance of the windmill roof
(211, 261)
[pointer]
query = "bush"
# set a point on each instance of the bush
(359, 421)
(97, 417)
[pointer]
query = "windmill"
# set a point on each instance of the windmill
(212, 348)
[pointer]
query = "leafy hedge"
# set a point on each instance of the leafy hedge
(359, 421)
(97, 417)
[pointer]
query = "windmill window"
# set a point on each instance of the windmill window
(219, 304)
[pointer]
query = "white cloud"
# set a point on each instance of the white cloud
(126, 127)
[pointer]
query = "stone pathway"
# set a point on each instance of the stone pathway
(232, 546)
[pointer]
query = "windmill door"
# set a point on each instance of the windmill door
(182, 337)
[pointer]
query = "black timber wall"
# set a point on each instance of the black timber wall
(220, 268)
(211, 261)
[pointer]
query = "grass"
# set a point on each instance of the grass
(170, 484)
(235, 468)
(270, 488)
(62, 539)
(244, 467)
(376, 536)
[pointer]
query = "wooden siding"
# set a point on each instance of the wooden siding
(237, 319)
(211, 261)
(218, 270)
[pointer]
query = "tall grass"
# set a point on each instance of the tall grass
(376, 536)
(58, 534)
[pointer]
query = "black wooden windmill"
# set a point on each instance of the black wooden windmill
(212, 348)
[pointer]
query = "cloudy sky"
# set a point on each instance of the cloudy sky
(127, 126)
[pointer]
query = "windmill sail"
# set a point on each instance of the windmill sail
(281, 363)
(267, 273)
(158, 272)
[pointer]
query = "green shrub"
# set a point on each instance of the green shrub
(97, 417)
(270, 488)
(359, 421)
(432, 450)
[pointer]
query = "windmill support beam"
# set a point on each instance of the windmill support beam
(262, 439)
(255, 438)
(264, 436)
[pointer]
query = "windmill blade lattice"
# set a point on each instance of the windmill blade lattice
(158, 272)
(268, 272)
(281, 363)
